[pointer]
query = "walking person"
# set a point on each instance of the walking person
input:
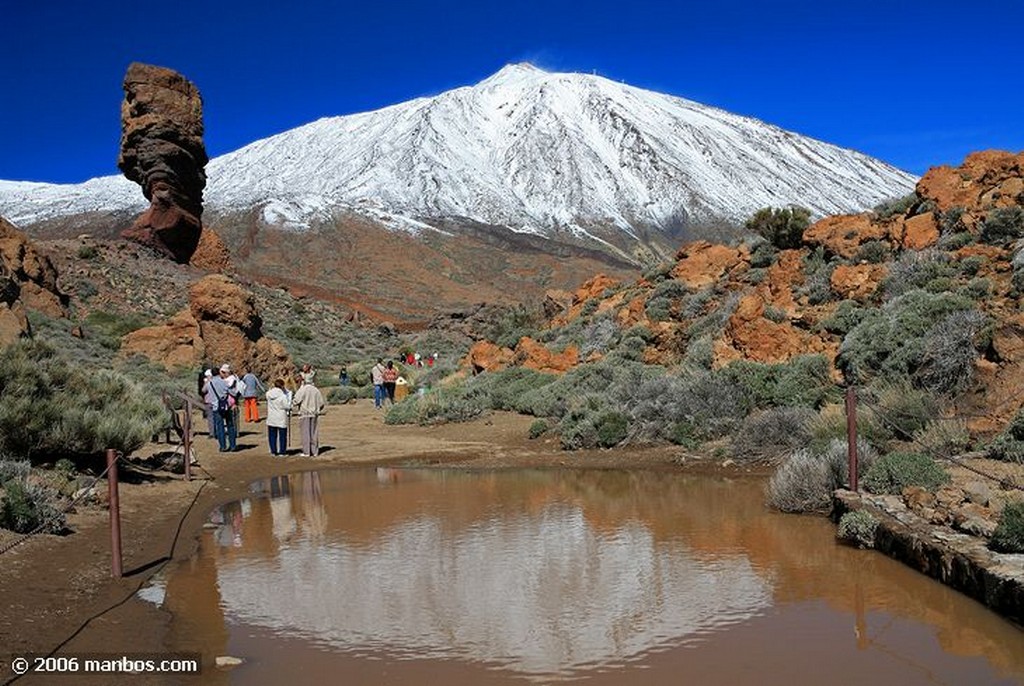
(279, 405)
(308, 402)
(253, 386)
(377, 376)
(343, 376)
(390, 380)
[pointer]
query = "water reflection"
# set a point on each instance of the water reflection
(558, 574)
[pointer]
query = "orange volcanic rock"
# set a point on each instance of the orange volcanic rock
(988, 177)
(162, 150)
(28, 280)
(843, 234)
(920, 231)
(594, 288)
(633, 313)
(749, 336)
(556, 303)
(221, 325)
(175, 343)
(777, 287)
(857, 282)
(533, 355)
(486, 356)
(211, 254)
(702, 264)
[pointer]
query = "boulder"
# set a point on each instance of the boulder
(843, 234)
(920, 232)
(28, 281)
(701, 264)
(990, 177)
(856, 282)
(486, 356)
(162, 150)
(220, 324)
(533, 355)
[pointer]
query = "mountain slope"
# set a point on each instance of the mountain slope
(534, 151)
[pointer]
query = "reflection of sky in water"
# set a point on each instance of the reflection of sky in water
(540, 592)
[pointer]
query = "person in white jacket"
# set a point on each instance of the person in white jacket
(309, 404)
(279, 404)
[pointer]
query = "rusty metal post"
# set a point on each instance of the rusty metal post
(115, 515)
(851, 434)
(186, 425)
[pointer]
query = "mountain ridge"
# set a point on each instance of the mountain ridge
(533, 151)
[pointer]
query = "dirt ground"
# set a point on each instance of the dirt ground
(58, 593)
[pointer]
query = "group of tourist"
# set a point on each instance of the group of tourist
(224, 391)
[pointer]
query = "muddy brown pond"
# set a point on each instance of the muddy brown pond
(428, 576)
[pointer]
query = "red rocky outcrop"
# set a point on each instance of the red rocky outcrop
(28, 280)
(162, 150)
(221, 324)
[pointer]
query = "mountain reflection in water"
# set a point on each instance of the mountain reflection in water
(544, 574)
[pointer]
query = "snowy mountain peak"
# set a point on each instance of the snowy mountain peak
(535, 151)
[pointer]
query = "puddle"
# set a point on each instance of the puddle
(397, 576)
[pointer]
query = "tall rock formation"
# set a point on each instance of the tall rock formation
(162, 150)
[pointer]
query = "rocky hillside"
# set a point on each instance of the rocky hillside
(927, 290)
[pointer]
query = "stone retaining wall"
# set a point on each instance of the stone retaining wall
(956, 559)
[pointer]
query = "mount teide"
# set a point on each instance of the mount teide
(525, 181)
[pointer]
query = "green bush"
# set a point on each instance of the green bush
(1009, 534)
(763, 254)
(87, 252)
(343, 394)
(299, 332)
(803, 381)
(858, 527)
(28, 506)
(1003, 225)
(951, 223)
(891, 473)
(1009, 444)
(665, 299)
(890, 341)
(895, 206)
(783, 228)
(817, 277)
(873, 252)
(538, 428)
(51, 408)
(950, 349)
(944, 437)
(848, 315)
(611, 429)
(926, 269)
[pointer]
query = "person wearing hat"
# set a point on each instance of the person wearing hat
(211, 402)
(224, 387)
(308, 402)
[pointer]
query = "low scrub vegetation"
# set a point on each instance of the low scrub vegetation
(784, 228)
(28, 504)
(1009, 534)
(859, 528)
(892, 473)
(52, 408)
(768, 436)
(806, 480)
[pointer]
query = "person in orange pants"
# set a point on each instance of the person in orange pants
(249, 396)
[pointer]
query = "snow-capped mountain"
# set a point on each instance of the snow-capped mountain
(534, 151)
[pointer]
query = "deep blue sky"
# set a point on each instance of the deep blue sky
(914, 83)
